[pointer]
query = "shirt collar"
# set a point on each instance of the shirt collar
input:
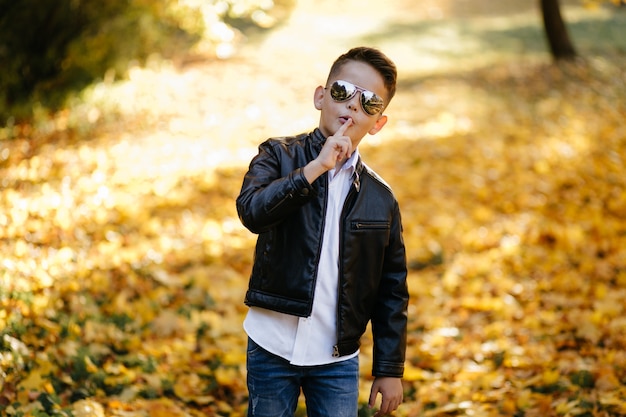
(351, 162)
(349, 165)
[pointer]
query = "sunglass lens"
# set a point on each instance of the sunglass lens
(342, 91)
(372, 104)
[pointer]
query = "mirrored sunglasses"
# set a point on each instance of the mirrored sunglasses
(342, 90)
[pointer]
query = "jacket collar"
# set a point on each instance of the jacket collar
(318, 138)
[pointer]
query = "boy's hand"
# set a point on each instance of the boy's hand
(391, 392)
(338, 147)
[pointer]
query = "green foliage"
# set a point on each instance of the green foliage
(51, 48)
(583, 379)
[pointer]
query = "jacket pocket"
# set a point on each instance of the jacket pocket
(366, 225)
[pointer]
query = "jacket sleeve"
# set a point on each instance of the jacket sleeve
(389, 320)
(271, 191)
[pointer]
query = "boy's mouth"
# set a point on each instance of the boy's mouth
(344, 119)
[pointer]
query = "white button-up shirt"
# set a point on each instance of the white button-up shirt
(307, 341)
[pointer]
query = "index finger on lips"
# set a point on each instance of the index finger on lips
(342, 129)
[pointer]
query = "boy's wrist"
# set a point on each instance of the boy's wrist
(313, 170)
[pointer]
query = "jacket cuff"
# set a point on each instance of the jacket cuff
(301, 184)
(390, 369)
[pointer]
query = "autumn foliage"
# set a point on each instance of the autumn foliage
(124, 265)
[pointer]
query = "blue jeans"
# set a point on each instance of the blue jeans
(274, 386)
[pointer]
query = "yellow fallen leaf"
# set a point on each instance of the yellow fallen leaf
(190, 387)
(34, 381)
(551, 376)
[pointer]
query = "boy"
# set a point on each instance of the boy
(329, 257)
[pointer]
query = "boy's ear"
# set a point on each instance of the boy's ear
(382, 120)
(318, 97)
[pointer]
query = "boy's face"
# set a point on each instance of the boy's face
(334, 114)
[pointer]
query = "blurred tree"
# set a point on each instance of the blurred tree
(557, 35)
(34, 40)
(51, 48)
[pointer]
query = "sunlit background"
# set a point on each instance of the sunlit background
(124, 265)
(208, 112)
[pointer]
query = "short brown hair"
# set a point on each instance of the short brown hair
(372, 56)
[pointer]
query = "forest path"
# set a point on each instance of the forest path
(212, 112)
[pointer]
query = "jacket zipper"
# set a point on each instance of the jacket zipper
(370, 225)
(321, 239)
(341, 239)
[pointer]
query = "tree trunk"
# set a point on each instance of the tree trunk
(556, 32)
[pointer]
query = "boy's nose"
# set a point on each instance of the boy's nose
(353, 103)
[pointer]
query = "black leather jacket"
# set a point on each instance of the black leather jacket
(278, 203)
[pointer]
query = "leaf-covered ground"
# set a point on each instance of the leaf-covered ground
(124, 265)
